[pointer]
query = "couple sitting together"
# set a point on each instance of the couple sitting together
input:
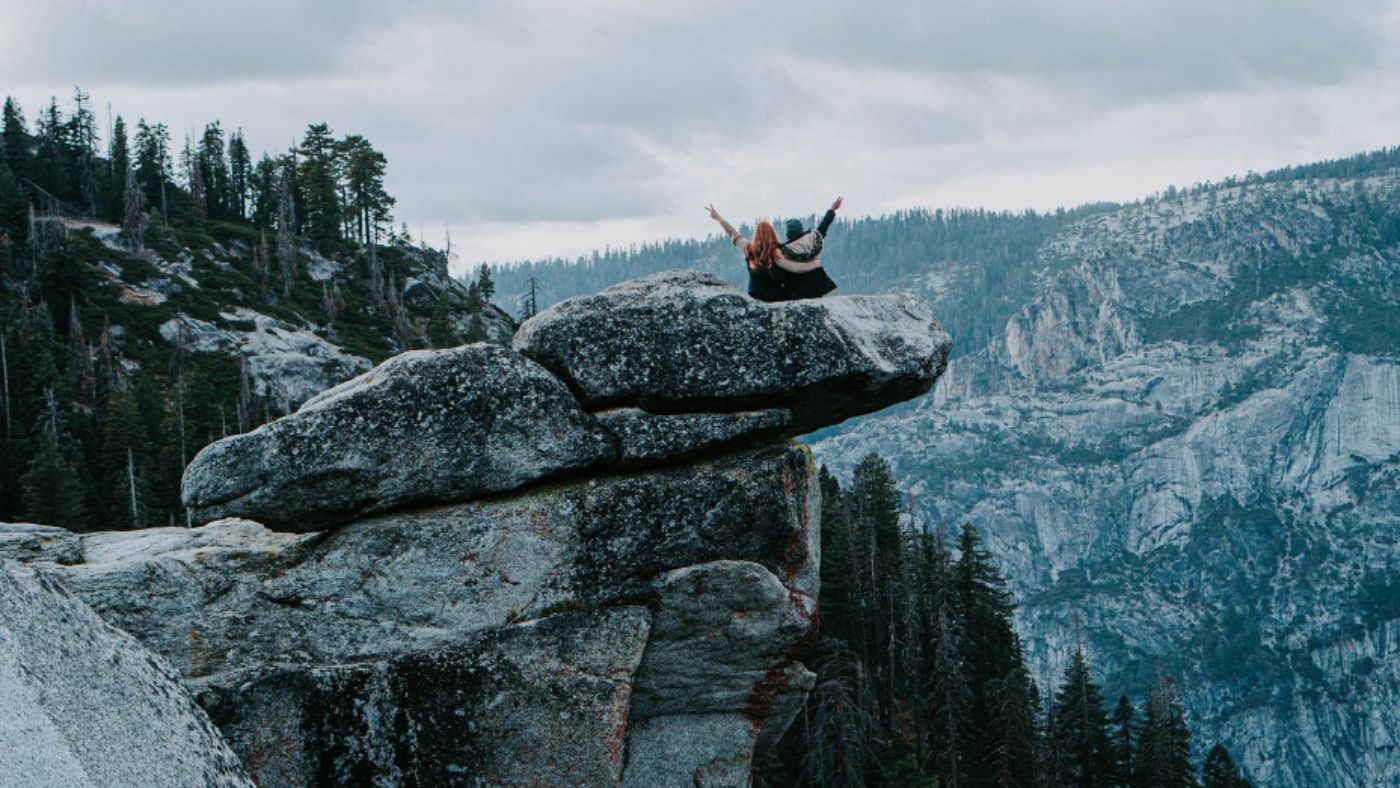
(788, 271)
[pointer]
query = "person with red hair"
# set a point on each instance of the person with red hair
(773, 275)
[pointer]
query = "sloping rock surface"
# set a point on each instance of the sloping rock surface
(684, 341)
(423, 427)
(82, 704)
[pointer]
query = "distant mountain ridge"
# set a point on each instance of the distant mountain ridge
(1182, 430)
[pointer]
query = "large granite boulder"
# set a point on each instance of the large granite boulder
(428, 426)
(685, 341)
(720, 678)
(541, 703)
(30, 542)
(233, 595)
(82, 704)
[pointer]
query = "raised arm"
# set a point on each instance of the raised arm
(734, 235)
(829, 217)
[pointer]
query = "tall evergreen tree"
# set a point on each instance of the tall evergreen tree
(1082, 728)
(240, 182)
(14, 208)
(82, 139)
(484, 285)
(1220, 770)
(1164, 743)
(118, 165)
(14, 138)
(213, 170)
(54, 492)
(52, 167)
(125, 451)
(263, 184)
(153, 163)
(1123, 735)
(441, 332)
(367, 203)
(318, 181)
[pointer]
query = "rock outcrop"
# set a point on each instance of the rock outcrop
(513, 586)
(682, 341)
(82, 704)
(423, 427)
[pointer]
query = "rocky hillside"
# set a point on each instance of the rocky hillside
(590, 559)
(1187, 443)
(121, 362)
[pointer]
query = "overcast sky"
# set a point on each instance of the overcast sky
(553, 128)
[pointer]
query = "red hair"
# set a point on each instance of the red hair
(764, 248)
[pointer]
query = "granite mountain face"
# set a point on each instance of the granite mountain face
(1186, 446)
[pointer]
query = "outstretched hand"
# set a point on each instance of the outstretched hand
(836, 206)
(713, 213)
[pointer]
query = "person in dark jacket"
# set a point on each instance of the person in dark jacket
(806, 246)
(775, 268)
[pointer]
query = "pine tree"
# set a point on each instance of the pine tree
(484, 285)
(125, 452)
(839, 731)
(153, 163)
(1220, 770)
(240, 182)
(530, 302)
(875, 505)
(441, 332)
(1123, 734)
(14, 208)
(118, 167)
(1082, 728)
(213, 169)
(949, 694)
(194, 182)
(1164, 744)
(840, 595)
(367, 203)
(476, 329)
(318, 184)
(81, 133)
(14, 139)
(53, 489)
(52, 169)
(264, 185)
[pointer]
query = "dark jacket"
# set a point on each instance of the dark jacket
(805, 248)
(769, 284)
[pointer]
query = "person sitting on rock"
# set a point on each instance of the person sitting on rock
(805, 246)
(769, 270)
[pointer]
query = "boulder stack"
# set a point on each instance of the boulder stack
(590, 560)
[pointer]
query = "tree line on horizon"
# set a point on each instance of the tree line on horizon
(922, 680)
(995, 250)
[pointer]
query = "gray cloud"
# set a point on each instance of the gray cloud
(541, 126)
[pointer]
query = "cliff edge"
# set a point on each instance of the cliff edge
(589, 559)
